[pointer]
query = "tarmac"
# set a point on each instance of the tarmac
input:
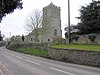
(4, 70)
(1, 69)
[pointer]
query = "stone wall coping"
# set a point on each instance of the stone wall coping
(74, 49)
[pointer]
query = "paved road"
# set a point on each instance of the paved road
(14, 63)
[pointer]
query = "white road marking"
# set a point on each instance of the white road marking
(0, 69)
(19, 57)
(9, 53)
(33, 62)
(12, 54)
(26, 59)
(3, 66)
(40, 64)
(1, 72)
(61, 71)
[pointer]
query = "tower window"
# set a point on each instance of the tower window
(48, 39)
(55, 32)
(31, 39)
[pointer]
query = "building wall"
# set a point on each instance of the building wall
(17, 38)
(29, 38)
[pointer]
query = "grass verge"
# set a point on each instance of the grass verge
(79, 47)
(37, 52)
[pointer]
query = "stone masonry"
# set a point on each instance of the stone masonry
(51, 23)
(85, 57)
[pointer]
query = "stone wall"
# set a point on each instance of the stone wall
(97, 39)
(84, 39)
(15, 45)
(84, 57)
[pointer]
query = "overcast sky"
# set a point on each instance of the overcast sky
(14, 23)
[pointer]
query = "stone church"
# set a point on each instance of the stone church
(51, 23)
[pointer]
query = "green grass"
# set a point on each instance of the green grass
(32, 51)
(78, 46)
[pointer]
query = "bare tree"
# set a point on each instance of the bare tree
(34, 23)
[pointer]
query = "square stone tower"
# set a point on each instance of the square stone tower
(51, 23)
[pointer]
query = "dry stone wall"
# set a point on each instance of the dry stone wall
(84, 39)
(84, 57)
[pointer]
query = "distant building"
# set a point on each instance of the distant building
(29, 38)
(17, 38)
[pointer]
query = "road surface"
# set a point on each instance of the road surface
(13, 63)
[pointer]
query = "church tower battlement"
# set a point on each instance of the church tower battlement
(51, 11)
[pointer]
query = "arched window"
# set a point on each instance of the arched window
(31, 39)
(55, 32)
(48, 39)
